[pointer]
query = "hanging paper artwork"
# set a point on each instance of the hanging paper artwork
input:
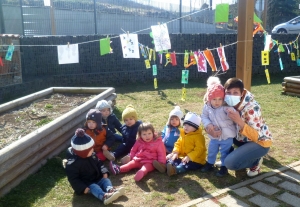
(280, 63)
(264, 57)
(161, 37)
(105, 46)
(130, 45)
(147, 63)
(267, 76)
(173, 59)
(210, 59)
(1, 62)
(221, 13)
(268, 43)
(186, 59)
(192, 60)
(293, 57)
(155, 83)
(185, 77)
(143, 51)
(183, 94)
(201, 62)
(154, 70)
(47, 3)
(222, 57)
(10, 52)
(68, 54)
(168, 59)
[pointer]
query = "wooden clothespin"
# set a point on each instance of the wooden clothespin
(68, 44)
(220, 45)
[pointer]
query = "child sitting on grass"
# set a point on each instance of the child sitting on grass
(147, 148)
(189, 150)
(86, 173)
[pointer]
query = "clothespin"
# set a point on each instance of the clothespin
(68, 44)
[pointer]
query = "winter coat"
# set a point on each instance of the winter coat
(169, 137)
(218, 117)
(82, 172)
(103, 137)
(255, 129)
(113, 123)
(129, 138)
(192, 145)
(146, 152)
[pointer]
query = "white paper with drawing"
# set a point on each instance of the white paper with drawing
(161, 37)
(68, 54)
(130, 45)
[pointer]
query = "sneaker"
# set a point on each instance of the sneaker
(114, 168)
(125, 160)
(159, 166)
(218, 163)
(223, 171)
(110, 197)
(120, 190)
(255, 170)
(109, 155)
(171, 170)
(64, 163)
(207, 167)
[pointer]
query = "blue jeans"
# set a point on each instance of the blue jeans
(247, 155)
(118, 137)
(213, 149)
(100, 188)
(181, 168)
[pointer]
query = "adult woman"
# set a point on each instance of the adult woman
(254, 138)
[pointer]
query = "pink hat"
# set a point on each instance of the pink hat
(214, 88)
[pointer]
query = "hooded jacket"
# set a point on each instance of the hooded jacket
(192, 145)
(255, 129)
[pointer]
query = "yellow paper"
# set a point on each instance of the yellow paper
(293, 57)
(147, 63)
(155, 83)
(264, 57)
(186, 59)
(154, 56)
(150, 54)
(267, 75)
(183, 97)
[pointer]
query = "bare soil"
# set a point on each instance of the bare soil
(18, 122)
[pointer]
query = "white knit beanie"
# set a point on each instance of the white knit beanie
(192, 119)
(103, 104)
(175, 112)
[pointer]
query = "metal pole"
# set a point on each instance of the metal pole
(22, 19)
(180, 15)
(53, 27)
(265, 14)
(210, 4)
(245, 42)
(2, 25)
(95, 17)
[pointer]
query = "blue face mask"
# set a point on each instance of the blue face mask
(232, 100)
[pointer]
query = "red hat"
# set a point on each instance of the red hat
(214, 88)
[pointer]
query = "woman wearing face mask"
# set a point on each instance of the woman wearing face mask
(253, 138)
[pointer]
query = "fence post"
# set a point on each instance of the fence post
(22, 19)
(2, 26)
(180, 15)
(95, 17)
(52, 18)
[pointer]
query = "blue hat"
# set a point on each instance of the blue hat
(82, 143)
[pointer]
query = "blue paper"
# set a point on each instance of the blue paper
(10, 53)
(281, 65)
(154, 70)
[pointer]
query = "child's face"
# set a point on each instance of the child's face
(105, 112)
(188, 128)
(174, 121)
(129, 121)
(147, 136)
(91, 124)
(91, 152)
(217, 102)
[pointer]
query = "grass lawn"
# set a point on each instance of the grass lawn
(49, 186)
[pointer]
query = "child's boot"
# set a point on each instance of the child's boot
(223, 171)
(109, 155)
(139, 175)
(114, 169)
(171, 170)
(159, 166)
(207, 167)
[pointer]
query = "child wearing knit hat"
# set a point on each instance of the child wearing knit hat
(101, 134)
(214, 117)
(129, 132)
(109, 118)
(189, 150)
(86, 173)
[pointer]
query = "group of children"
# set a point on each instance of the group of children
(180, 148)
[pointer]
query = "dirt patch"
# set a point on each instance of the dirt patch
(18, 122)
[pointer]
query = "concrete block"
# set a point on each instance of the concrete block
(208, 203)
(262, 201)
(244, 191)
(289, 199)
(291, 175)
(290, 186)
(273, 179)
(264, 188)
(232, 202)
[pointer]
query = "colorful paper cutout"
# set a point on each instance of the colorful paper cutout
(168, 59)
(186, 59)
(173, 59)
(155, 83)
(185, 77)
(264, 57)
(1, 62)
(210, 59)
(222, 13)
(222, 57)
(183, 94)
(147, 64)
(68, 54)
(267, 76)
(161, 37)
(10, 52)
(201, 62)
(130, 45)
(105, 46)
(154, 70)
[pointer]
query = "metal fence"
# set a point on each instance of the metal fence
(85, 17)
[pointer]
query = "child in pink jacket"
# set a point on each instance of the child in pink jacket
(147, 148)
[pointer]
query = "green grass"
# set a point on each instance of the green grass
(43, 122)
(48, 106)
(49, 186)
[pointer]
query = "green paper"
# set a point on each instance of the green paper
(281, 48)
(222, 13)
(154, 70)
(185, 77)
(104, 46)
(10, 52)
(256, 19)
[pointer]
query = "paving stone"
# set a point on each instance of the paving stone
(289, 199)
(208, 203)
(232, 202)
(244, 191)
(292, 175)
(262, 187)
(297, 168)
(290, 186)
(273, 179)
(263, 201)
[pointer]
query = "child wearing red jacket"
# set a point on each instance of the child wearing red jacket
(147, 148)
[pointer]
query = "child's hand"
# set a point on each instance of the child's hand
(174, 156)
(105, 175)
(185, 160)
(209, 128)
(86, 190)
(169, 156)
(104, 147)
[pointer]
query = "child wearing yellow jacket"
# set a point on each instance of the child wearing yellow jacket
(189, 152)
